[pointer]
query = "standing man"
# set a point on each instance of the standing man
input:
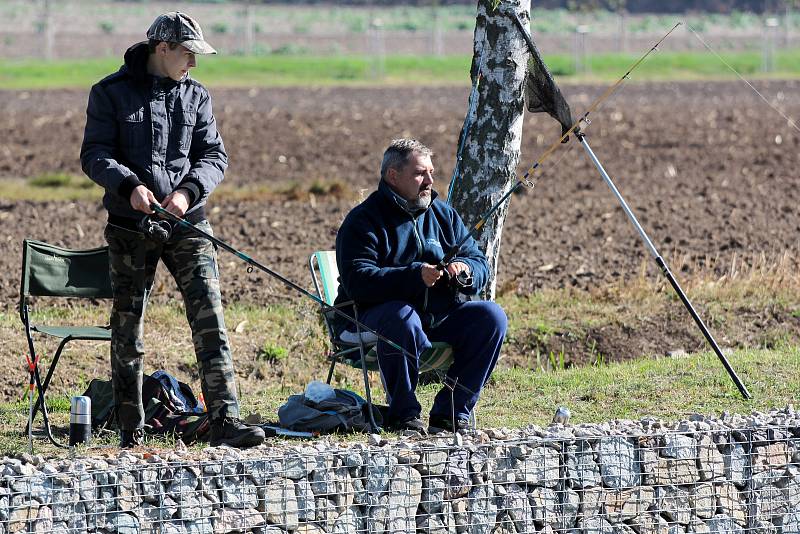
(387, 250)
(151, 137)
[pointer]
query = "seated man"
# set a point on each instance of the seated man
(387, 250)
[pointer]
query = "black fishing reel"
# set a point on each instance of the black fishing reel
(154, 229)
(455, 283)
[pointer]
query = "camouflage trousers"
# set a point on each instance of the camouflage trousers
(192, 261)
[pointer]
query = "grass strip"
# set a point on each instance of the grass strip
(667, 389)
(305, 70)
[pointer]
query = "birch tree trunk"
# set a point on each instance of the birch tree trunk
(491, 152)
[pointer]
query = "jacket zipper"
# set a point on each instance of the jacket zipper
(420, 250)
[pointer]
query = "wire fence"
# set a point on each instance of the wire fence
(566, 479)
(67, 29)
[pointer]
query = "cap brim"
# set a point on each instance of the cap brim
(198, 47)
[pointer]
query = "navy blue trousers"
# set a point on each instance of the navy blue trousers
(474, 329)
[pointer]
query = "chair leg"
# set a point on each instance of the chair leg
(374, 427)
(45, 416)
(330, 371)
(42, 387)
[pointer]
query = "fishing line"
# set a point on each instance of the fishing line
(788, 119)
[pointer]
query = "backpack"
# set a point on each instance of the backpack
(161, 415)
(346, 412)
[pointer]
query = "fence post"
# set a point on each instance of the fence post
(377, 47)
(48, 29)
(768, 44)
(581, 67)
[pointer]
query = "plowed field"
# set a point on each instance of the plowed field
(709, 169)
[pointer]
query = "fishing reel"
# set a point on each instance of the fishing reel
(157, 230)
(455, 283)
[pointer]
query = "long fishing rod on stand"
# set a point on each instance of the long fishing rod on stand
(662, 265)
(526, 180)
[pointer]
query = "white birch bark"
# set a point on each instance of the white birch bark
(491, 150)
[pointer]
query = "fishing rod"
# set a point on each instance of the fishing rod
(525, 180)
(253, 263)
(325, 306)
(664, 267)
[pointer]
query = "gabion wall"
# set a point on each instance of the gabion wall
(727, 475)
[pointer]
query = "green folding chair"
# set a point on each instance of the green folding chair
(51, 271)
(348, 347)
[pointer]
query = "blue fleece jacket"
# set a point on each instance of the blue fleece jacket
(380, 249)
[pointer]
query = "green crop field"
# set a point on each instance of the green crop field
(280, 70)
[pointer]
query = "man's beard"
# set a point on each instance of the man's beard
(422, 202)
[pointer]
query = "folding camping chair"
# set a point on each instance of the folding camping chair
(350, 348)
(51, 271)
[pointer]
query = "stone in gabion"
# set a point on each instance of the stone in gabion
(722, 524)
(377, 514)
(457, 475)
(19, 517)
(183, 481)
(791, 523)
(280, 504)
(679, 447)
(763, 527)
(567, 510)
(592, 500)
(674, 504)
(482, 509)
(516, 503)
(44, 520)
(769, 503)
(127, 494)
(295, 467)
(539, 467)
(327, 513)
(350, 522)
(735, 461)
(309, 529)
(306, 506)
(624, 505)
(543, 503)
(431, 524)
(433, 461)
(582, 469)
(122, 523)
(710, 461)
(405, 491)
(432, 494)
(595, 525)
(698, 527)
(229, 519)
(649, 523)
(703, 500)
(238, 492)
(379, 472)
(150, 485)
(618, 466)
(731, 502)
(770, 456)
(263, 471)
(669, 472)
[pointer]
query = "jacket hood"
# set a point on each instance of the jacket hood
(136, 66)
(136, 61)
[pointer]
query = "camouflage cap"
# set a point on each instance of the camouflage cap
(177, 27)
